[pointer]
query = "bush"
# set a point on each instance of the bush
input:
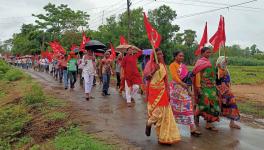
(74, 139)
(13, 75)
(35, 96)
(3, 68)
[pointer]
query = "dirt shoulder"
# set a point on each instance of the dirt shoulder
(249, 92)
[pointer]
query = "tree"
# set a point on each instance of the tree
(58, 19)
(189, 37)
(28, 41)
(162, 18)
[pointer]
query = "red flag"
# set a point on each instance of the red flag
(203, 41)
(219, 38)
(57, 48)
(123, 40)
(49, 56)
(113, 53)
(73, 47)
(84, 41)
(153, 35)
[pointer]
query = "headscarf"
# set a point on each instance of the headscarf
(221, 64)
(201, 64)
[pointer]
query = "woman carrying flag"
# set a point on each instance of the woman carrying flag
(159, 109)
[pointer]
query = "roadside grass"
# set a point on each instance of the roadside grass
(73, 138)
(251, 108)
(56, 116)
(33, 119)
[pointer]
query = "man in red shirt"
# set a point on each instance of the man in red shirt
(131, 74)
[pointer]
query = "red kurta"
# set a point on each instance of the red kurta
(131, 73)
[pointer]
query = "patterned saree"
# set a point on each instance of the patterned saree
(159, 110)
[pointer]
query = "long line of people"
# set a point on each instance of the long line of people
(168, 103)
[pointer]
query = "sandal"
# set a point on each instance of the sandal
(212, 128)
(196, 133)
(148, 130)
(235, 126)
(87, 98)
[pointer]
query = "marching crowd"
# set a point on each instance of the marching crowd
(203, 92)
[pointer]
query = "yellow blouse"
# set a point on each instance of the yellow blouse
(174, 70)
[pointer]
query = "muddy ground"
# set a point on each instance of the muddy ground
(109, 119)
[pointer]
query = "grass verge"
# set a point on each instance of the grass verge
(29, 119)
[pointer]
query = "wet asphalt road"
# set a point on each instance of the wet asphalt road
(111, 115)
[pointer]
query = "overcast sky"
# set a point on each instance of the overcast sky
(244, 24)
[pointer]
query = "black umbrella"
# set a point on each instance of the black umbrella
(95, 46)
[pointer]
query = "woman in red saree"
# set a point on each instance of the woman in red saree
(159, 109)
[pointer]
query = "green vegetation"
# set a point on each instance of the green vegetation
(23, 141)
(35, 96)
(13, 118)
(74, 139)
(252, 108)
(56, 116)
(24, 106)
(13, 75)
(247, 74)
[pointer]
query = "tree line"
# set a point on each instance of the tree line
(66, 25)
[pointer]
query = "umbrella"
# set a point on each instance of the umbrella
(123, 48)
(147, 51)
(95, 46)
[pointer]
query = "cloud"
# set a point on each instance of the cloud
(243, 26)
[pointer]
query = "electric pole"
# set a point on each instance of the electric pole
(128, 20)
(103, 18)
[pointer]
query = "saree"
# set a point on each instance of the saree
(207, 103)
(159, 109)
(181, 101)
(228, 104)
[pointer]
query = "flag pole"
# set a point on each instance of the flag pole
(155, 54)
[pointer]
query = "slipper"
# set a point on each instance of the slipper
(148, 130)
(196, 133)
(235, 126)
(212, 129)
(87, 98)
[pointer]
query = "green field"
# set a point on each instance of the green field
(244, 74)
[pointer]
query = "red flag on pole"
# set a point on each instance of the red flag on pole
(57, 48)
(153, 36)
(219, 38)
(113, 53)
(123, 41)
(84, 41)
(203, 41)
(73, 47)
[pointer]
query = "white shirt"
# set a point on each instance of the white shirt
(88, 66)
